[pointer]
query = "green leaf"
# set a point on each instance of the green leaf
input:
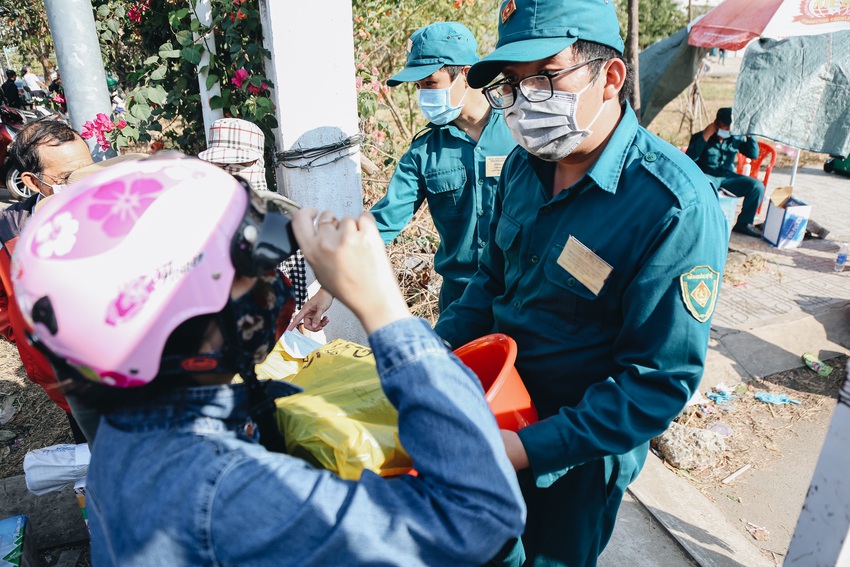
(195, 25)
(141, 111)
(159, 73)
(120, 12)
(151, 60)
(184, 37)
(103, 11)
(175, 17)
(211, 80)
(140, 95)
(106, 35)
(113, 25)
(131, 132)
(157, 95)
(216, 102)
(192, 54)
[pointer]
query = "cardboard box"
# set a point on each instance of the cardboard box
(786, 220)
(16, 547)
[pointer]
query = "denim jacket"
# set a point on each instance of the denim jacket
(179, 481)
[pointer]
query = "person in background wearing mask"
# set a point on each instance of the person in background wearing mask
(47, 153)
(716, 150)
(237, 146)
(604, 261)
(454, 163)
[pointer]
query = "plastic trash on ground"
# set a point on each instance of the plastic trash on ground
(817, 365)
(55, 467)
(776, 399)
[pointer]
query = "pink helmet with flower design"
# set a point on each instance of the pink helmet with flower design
(108, 269)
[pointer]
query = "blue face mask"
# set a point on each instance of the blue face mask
(436, 105)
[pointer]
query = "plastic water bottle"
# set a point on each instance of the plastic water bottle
(842, 257)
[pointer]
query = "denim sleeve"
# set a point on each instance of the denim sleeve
(661, 349)
(403, 198)
(461, 509)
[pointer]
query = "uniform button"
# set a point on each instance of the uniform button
(534, 259)
(481, 182)
(571, 282)
(651, 156)
(480, 212)
(517, 304)
(478, 150)
(481, 244)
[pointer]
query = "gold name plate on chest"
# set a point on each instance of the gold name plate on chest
(584, 265)
(493, 165)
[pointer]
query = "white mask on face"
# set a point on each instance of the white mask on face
(548, 129)
(723, 134)
(254, 173)
(436, 104)
(56, 188)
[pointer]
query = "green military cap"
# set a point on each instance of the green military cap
(724, 116)
(431, 48)
(531, 30)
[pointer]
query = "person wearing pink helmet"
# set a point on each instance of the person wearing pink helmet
(168, 290)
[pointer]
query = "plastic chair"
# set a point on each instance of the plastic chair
(765, 151)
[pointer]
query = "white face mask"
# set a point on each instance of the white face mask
(56, 188)
(723, 134)
(254, 173)
(548, 129)
(436, 104)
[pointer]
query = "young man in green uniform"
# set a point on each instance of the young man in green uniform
(604, 260)
(715, 150)
(454, 163)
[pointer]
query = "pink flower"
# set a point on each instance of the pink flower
(240, 77)
(121, 124)
(89, 130)
(121, 206)
(358, 83)
(257, 90)
(130, 300)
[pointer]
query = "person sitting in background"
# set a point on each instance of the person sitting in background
(11, 95)
(182, 301)
(33, 83)
(237, 146)
(46, 152)
(716, 150)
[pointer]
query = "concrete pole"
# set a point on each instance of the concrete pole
(822, 536)
(313, 42)
(78, 53)
(203, 13)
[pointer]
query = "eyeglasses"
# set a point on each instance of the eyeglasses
(56, 180)
(536, 88)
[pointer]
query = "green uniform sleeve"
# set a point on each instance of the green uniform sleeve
(404, 197)
(661, 350)
(696, 146)
(750, 147)
(471, 316)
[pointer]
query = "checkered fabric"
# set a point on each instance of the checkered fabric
(296, 270)
(233, 140)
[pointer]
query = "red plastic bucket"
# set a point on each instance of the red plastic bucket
(492, 359)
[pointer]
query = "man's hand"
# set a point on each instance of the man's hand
(350, 262)
(313, 312)
(709, 131)
(515, 450)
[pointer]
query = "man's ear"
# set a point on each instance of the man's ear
(615, 78)
(465, 73)
(31, 181)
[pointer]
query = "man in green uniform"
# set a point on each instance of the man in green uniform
(454, 163)
(715, 150)
(604, 261)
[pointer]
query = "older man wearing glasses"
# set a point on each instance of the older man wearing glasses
(604, 261)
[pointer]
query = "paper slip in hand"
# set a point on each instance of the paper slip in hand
(584, 265)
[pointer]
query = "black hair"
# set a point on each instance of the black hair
(10, 74)
(586, 50)
(24, 151)
(454, 70)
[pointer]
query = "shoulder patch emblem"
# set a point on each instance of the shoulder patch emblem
(699, 291)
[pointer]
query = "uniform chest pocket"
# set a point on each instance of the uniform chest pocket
(444, 190)
(506, 238)
(579, 309)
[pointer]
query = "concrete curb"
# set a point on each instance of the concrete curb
(693, 520)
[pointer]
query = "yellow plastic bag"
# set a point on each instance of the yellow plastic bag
(342, 421)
